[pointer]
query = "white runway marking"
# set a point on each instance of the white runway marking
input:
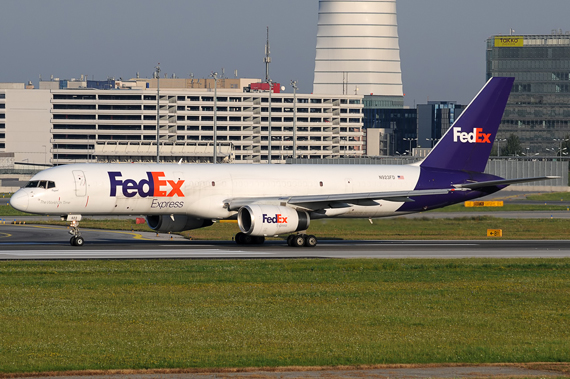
(384, 244)
(130, 253)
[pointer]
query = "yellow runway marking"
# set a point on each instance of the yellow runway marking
(5, 235)
(136, 236)
(44, 227)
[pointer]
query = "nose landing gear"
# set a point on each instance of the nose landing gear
(76, 239)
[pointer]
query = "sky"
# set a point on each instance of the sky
(442, 42)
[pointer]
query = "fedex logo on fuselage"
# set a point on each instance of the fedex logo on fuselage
(477, 136)
(278, 219)
(153, 186)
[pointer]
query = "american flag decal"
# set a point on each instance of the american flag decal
(401, 177)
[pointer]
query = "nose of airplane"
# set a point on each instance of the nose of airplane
(20, 201)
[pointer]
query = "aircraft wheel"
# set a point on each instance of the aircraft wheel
(79, 241)
(248, 239)
(259, 240)
(298, 240)
(240, 240)
(76, 241)
(310, 241)
(290, 240)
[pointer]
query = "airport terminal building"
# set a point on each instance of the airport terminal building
(55, 125)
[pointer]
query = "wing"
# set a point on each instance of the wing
(503, 182)
(314, 202)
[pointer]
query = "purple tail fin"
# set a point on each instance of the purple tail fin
(466, 146)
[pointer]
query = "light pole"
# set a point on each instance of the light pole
(294, 85)
(499, 146)
(561, 140)
(158, 113)
(556, 152)
(410, 140)
(432, 140)
(215, 76)
(270, 82)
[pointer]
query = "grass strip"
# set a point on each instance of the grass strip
(7, 210)
(461, 208)
(105, 315)
(552, 196)
(464, 228)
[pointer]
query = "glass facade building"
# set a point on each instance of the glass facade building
(434, 119)
(400, 128)
(538, 111)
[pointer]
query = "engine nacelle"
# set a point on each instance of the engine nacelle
(271, 220)
(164, 224)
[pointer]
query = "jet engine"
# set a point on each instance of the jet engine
(271, 220)
(176, 223)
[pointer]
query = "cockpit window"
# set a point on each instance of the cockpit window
(40, 184)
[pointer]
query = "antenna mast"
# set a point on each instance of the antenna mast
(267, 58)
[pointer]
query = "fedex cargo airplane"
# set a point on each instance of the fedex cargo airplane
(272, 200)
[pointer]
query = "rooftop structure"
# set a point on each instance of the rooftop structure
(204, 84)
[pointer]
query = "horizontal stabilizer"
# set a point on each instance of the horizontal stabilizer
(504, 182)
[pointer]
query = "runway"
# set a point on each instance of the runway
(32, 242)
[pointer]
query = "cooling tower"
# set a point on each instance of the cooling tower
(357, 48)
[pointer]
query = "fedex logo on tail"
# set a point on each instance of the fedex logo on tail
(278, 219)
(477, 136)
(153, 186)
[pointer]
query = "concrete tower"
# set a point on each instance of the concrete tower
(357, 49)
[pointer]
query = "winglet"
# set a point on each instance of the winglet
(466, 146)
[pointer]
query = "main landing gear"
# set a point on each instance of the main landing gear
(300, 240)
(294, 240)
(76, 239)
(246, 239)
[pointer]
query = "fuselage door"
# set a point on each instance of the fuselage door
(80, 183)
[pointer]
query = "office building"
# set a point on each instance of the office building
(434, 119)
(390, 131)
(538, 111)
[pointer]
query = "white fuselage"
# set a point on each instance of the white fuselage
(200, 190)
